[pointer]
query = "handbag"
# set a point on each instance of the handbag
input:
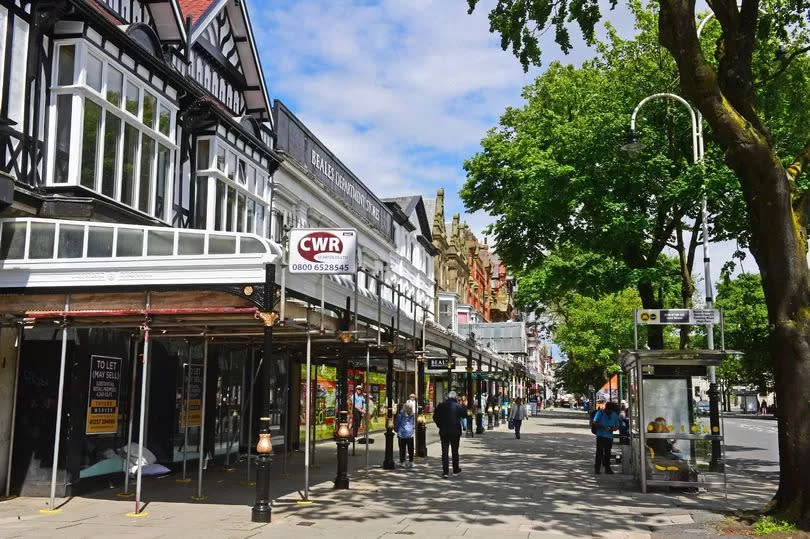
(511, 424)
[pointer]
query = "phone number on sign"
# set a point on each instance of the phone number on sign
(321, 267)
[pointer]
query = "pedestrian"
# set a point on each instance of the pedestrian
(447, 417)
(404, 427)
(358, 409)
(604, 423)
(516, 415)
(763, 407)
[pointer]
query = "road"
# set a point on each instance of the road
(752, 445)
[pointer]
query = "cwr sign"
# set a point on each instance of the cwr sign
(323, 251)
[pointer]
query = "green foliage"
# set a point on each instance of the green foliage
(593, 331)
(768, 525)
(746, 328)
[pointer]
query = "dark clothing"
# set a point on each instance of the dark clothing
(603, 447)
(405, 443)
(450, 442)
(517, 422)
(448, 416)
(356, 421)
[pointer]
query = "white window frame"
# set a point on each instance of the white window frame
(80, 91)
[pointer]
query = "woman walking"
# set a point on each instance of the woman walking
(404, 427)
(516, 415)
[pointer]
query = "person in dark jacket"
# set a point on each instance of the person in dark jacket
(448, 416)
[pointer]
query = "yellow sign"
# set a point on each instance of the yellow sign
(102, 399)
(194, 413)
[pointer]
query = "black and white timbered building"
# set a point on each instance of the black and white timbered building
(133, 111)
(143, 202)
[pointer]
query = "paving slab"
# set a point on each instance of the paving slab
(539, 486)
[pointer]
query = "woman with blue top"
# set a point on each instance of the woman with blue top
(404, 427)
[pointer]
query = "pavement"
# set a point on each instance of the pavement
(539, 486)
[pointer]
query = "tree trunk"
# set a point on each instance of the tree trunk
(655, 334)
(780, 248)
(777, 218)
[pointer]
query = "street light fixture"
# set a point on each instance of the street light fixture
(633, 146)
(698, 152)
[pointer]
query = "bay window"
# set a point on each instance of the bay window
(112, 133)
(233, 199)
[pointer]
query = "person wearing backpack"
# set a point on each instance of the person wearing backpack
(604, 423)
(404, 427)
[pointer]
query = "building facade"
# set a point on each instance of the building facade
(146, 193)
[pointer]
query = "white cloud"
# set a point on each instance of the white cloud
(402, 91)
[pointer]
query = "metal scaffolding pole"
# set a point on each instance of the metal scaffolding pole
(59, 399)
(201, 465)
(142, 418)
(20, 335)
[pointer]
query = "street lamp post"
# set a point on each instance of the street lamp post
(698, 152)
(261, 508)
(421, 430)
(341, 399)
(388, 462)
(479, 416)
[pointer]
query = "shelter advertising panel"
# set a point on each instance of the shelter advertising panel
(102, 398)
(323, 251)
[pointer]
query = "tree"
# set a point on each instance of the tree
(593, 331)
(725, 87)
(746, 329)
(553, 174)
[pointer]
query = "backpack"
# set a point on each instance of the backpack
(593, 415)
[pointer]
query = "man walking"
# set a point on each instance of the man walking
(448, 416)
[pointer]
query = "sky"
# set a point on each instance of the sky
(402, 91)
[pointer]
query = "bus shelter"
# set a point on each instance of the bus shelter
(673, 443)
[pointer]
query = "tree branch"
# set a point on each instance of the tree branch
(785, 64)
(799, 165)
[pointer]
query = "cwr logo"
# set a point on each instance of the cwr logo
(317, 246)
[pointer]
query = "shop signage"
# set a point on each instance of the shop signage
(295, 139)
(193, 401)
(653, 317)
(102, 398)
(440, 363)
(323, 251)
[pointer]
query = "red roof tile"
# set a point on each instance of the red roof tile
(194, 8)
(105, 12)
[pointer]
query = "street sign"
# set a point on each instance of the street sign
(440, 363)
(654, 317)
(323, 251)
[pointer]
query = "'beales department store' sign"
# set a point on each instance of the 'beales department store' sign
(294, 138)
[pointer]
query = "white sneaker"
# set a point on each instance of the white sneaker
(409, 464)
